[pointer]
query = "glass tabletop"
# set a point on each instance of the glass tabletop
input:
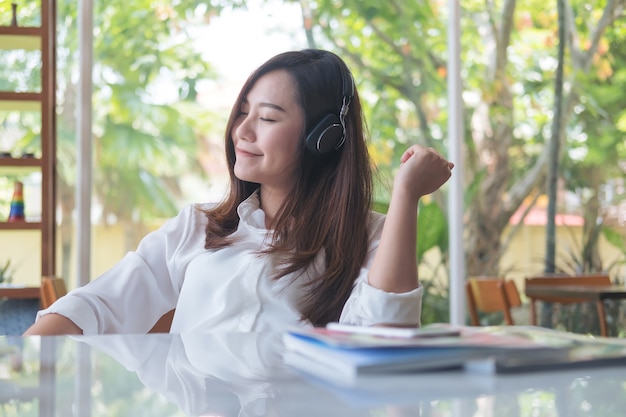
(242, 374)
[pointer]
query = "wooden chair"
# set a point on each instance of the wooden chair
(52, 288)
(490, 295)
(599, 280)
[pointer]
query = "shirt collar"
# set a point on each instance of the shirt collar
(251, 215)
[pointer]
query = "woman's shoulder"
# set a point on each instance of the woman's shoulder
(192, 214)
(197, 212)
(191, 209)
(200, 207)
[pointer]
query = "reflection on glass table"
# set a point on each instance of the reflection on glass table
(243, 375)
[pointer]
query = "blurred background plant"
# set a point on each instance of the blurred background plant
(6, 273)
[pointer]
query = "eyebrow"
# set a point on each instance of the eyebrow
(272, 106)
(266, 104)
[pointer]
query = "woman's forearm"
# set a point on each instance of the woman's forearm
(394, 268)
(53, 324)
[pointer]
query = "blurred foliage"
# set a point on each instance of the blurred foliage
(398, 53)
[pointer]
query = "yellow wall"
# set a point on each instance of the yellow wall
(526, 253)
(23, 248)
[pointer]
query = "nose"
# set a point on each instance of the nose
(242, 128)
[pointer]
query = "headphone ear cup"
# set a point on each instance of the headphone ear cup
(325, 136)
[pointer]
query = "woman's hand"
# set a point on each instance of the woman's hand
(422, 172)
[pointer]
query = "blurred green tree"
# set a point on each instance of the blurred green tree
(398, 49)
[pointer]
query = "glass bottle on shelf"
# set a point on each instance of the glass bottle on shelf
(17, 203)
(14, 14)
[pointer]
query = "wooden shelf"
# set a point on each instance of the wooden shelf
(20, 226)
(19, 162)
(37, 41)
(19, 167)
(17, 96)
(13, 101)
(19, 292)
(26, 38)
(29, 31)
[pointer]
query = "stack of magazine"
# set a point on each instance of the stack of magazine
(343, 352)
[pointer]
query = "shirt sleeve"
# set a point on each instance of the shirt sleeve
(368, 305)
(142, 286)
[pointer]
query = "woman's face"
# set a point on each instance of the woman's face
(267, 132)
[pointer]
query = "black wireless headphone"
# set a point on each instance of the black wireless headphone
(329, 133)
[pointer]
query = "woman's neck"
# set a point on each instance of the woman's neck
(271, 202)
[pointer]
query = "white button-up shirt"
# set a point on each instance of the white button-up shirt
(227, 290)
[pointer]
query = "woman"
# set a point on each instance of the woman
(293, 243)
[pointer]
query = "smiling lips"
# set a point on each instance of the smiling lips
(243, 152)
